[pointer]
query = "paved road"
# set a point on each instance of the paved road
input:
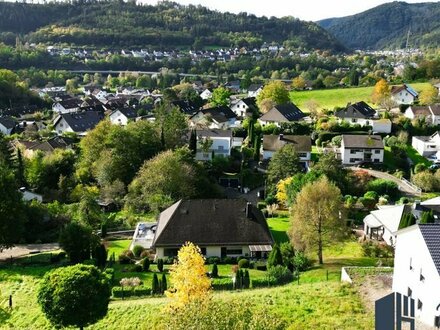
(404, 187)
(25, 249)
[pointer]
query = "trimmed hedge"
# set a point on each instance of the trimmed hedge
(222, 284)
(140, 291)
(263, 283)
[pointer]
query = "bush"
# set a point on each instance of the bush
(110, 274)
(404, 200)
(280, 274)
(145, 264)
(140, 291)
(229, 260)
(160, 265)
(384, 187)
(243, 263)
(301, 262)
(126, 257)
(212, 260)
(261, 205)
(262, 283)
(222, 284)
(251, 264)
(137, 250)
(371, 195)
(419, 168)
(214, 272)
(136, 268)
(260, 265)
(145, 254)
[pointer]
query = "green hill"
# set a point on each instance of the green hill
(386, 26)
(120, 24)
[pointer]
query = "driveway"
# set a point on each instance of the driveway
(404, 186)
(21, 250)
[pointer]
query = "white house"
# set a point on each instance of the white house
(79, 123)
(254, 90)
(220, 227)
(7, 125)
(214, 118)
(383, 224)
(206, 94)
(431, 113)
(144, 235)
(284, 113)
(356, 149)
(404, 94)
(220, 143)
(122, 116)
(417, 270)
(428, 146)
(301, 143)
(243, 106)
(67, 106)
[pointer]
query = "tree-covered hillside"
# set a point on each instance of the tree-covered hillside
(387, 26)
(116, 23)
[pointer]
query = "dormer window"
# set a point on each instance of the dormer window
(409, 292)
(419, 304)
(422, 278)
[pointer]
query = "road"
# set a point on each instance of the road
(25, 249)
(404, 187)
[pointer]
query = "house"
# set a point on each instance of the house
(428, 146)
(254, 90)
(221, 143)
(383, 224)
(28, 195)
(30, 147)
(404, 94)
(438, 88)
(78, 123)
(417, 270)
(244, 106)
(220, 227)
(356, 149)
(7, 125)
(221, 117)
(206, 94)
(302, 144)
(358, 113)
(122, 116)
(430, 113)
(283, 113)
(233, 86)
(144, 235)
(67, 105)
(186, 107)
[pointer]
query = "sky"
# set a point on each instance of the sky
(309, 10)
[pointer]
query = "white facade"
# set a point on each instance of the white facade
(383, 224)
(382, 126)
(118, 118)
(58, 108)
(63, 127)
(255, 93)
(415, 274)
(304, 156)
(206, 94)
(240, 108)
(431, 118)
(221, 146)
(5, 130)
(351, 156)
(212, 251)
(403, 97)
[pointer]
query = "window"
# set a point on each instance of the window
(376, 160)
(353, 120)
(170, 252)
(203, 250)
(409, 292)
(302, 154)
(233, 251)
(419, 304)
(377, 151)
(221, 148)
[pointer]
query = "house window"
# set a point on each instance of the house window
(419, 304)
(409, 292)
(234, 251)
(367, 123)
(302, 154)
(170, 252)
(203, 250)
(353, 120)
(422, 278)
(377, 151)
(221, 148)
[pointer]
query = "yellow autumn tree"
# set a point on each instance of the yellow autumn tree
(429, 95)
(381, 92)
(281, 194)
(188, 277)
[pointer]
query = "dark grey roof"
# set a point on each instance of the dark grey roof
(276, 142)
(19, 111)
(431, 235)
(435, 109)
(357, 110)
(214, 133)
(98, 107)
(220, 114)
(7, 122)
(81, 121)
(212, 222)
(249, 101)
(187, 107)
(283, 113)
(254, 87)
(362, 141)
(70, 103)
(128, 112)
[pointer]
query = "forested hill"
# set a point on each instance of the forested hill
(386, 26)
(117, 23)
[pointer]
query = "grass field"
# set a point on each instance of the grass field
(339, 97)
(279, 227)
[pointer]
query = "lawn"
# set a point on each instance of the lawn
(279, 227)
(416, 158)
(339, 97)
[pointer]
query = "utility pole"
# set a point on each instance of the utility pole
(407, 39)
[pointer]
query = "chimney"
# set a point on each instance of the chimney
(281, 137)
(249, 210)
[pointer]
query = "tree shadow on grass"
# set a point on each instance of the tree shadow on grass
(4, 315)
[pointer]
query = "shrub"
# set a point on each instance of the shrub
(145, 254)
(155, 285)
(145, 264)
(213, 260)
(419, 168)
(126, 257)
(229, 260)
(384, 187)
(318, 142)
(243, 263)
(369, 203)
(262, 282)
(280, 274)
(260, 265)
(251, 264)
(261, 205)
(137, 250)
(371, 195)
(222, 284)
(301, 262)
(110, 274)
(136, 268)
(214, 272)
(404, 200)
(164, 285)
(160, 265)
(275, 257)
(140, 291)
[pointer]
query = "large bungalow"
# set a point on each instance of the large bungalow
(220, 227)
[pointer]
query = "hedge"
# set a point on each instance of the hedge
(222, 284)
(140, 291)
(263, 283)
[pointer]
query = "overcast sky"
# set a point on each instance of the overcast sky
(310, 10)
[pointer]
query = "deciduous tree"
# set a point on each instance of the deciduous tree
(284, 164)
(381, 91)
(275, 91)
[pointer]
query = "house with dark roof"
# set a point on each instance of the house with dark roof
(221, 117)
(220, 227)
(79, 122)
(242, 107)
(430, 113)
(7, 125)
(404, 94)
(417, 269)
(206, 94)
(19, 111)
(71, 104)
(254, 90)
(282, 113)
(301, 143)
(428, 146)
(361, 113)
(123, 115)
(186, 107)
(30, 147)
(357, 149)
